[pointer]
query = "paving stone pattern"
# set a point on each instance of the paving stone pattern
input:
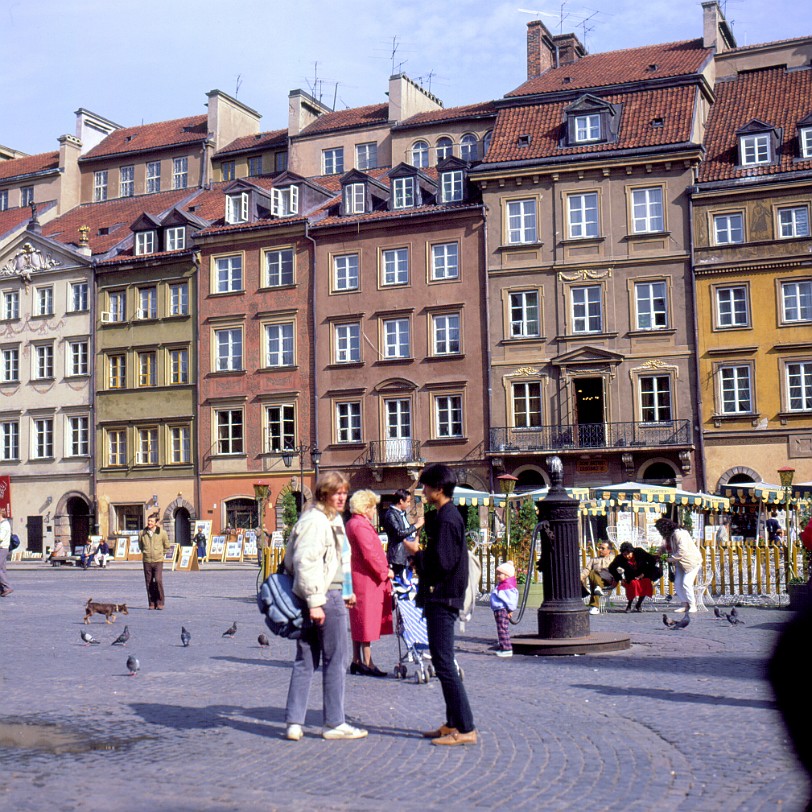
(682, 721)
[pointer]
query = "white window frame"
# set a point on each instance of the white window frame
(177, 362)
(9, 440)
(647, 211)
(735, 390)
(419, 153)
(227, 348)
(348, 425)
(145, 242)
(175, 238)
(148, 302)
(347, 343)
(404, 192)
(582, 215)
(99, 185)
(148, 446)
(651, 304)
(26, 196)
(332, 161)
(78, 358)
(180, 444)
(354, 198)
(153, 177)
(42, 438)
(77, 436)
(587, 128)
(280, 427)
(126, 181)
(178, 299)
(802, 372)
(346, 272)
(11, 304)
(227, 277)
(3, 199)
(728, 301)
(583, 300)
(660, 412)
(42, 362)
(79, 297)
(44, 298)
(523, 397)
(116, 447)
(445, 261)
(366, 155)
(755, 149)
(793, 222)
(237, 208)
(448, 416)
(797, 297)
(522, 322)
(396, 338)
(443, 148)
(728, 228)
(280, 268)
(117, 305)
(180, 173)
(10, 364)
(229, 432)
(469, 147)
(394, 266)
(285, 201)
(451, 185)
(521, 221)
(446, 334)
(280, 344)
(805, 141)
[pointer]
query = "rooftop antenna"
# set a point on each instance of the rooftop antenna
(316, 83)
(335, 96)
(395, 46)
(426, 80)
(587, 29)
(238, 83)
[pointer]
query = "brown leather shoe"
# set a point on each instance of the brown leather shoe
(455, 738)
(443, 730)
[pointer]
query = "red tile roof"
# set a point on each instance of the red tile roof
(467, 111)
(273, 138)
(544, 123)
(389, 214)
(775, 96)
(28, 165)
(618, 67)
(151, 136)
(370, 116)
(116, 216)
(13, 219)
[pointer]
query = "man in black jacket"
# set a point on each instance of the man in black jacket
(401, 534)
(443, 571)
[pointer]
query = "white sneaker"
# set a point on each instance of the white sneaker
(344, 731)
(594, 610)
(504, 652)
(294, 733)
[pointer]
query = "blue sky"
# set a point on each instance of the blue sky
(136, 61)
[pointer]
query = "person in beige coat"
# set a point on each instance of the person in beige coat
(154, 543)
(684, 554)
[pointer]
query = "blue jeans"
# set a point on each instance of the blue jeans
(440, 620)
(327, 642)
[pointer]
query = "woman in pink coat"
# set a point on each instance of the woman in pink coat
(372, 614)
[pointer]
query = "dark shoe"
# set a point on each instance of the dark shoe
(443, 730)
(374, 671)
(456, 738)
(6, 593)
(359, 668)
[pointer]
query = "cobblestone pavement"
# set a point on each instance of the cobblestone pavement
(682, 721)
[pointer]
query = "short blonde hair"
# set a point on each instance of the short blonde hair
(361, 501)
(328, 484)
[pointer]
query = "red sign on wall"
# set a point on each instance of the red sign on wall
(5, 494)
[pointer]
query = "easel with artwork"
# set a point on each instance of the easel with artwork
(234, 548)
(133, 550)
(216, 548)
(186, 560)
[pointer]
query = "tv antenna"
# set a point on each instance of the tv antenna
(237, 87)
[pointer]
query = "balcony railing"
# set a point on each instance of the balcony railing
(590, 435)
(393, 452)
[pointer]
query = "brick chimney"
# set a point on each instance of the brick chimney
(569, 49)
(716, 32)
(540, 49)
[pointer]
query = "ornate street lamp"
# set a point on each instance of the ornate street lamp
(262, 491)
(507, 485)
(287, 454)
(786, 474)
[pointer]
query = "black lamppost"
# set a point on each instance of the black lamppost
(287, 455)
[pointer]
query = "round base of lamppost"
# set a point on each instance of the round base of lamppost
(595, 643)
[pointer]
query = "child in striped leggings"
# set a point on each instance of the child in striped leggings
(504, 600)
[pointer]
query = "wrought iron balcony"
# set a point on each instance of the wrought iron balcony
(394, 452)
(590, 436)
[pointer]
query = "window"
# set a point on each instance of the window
(420, 154)
(279, 267)
(451, 186)
(180, 445)
(78, 436)
(395, 266)
(486, 142)
(793, 222)
(228, 170)
(799, 384)
(100, 185)
(735, 390)
(26, 196)
(11, 304)
(396, 338)
(348, 422)
(280, 161)
(403, 189)
(345, 272)
(728, 229)
(526, 405)
(583, 215)
(797, 301)
(731, 307)
(237, 208)
(655, 398)
(255, 166)
(587, 128)
(126, 184)
(647, 210)
(521, 221)
(228, 274)
(42, 447)
(354, 198)
(9, 440)
(118, 305)
(805, 141)
(445, 261)
(145, 242)
(229, 431)
(228, 350)
(116, 447)
(78, 297)
(175, 238)
(448, 415)
(754, 149)
(44, 301)
(524, 314)
(153, 177)
(446, 334)
(148, 303)
(178, 299)
(178, 366)
(3, 199)
(78, 358)
(147, 446)
(10, 370)
(285, 202)
(180, 173)
(651, 305)
(366, 155)
(117, 371)
(444, 148)
(468, 147)
(281, 420)
(279, 338)
(586, 309)
(332, 161)
(147, 368)
(43, 361)
(347, 343)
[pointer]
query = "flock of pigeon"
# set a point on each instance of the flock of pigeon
(133, 666)
(732, 618)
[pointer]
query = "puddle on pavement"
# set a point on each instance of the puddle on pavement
(54, 739)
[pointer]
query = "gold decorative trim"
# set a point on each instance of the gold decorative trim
(584, 275)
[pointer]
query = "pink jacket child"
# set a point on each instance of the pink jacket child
(504, 600)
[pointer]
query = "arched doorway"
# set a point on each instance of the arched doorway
(659, 473)
(79, 521)
(183, 527)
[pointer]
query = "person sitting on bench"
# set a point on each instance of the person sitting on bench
(103, 553)
(87, 555)
(60, 552)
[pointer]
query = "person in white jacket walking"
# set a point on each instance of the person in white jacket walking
(683, 552)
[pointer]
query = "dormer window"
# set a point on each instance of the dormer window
(175, 238)
(590, 120)
(237, 208)
(587, 128)
(805, 137)
(354, 198)
(285, 202)
(145, 242)
(755, 149)
(451, 185)
(404, 189)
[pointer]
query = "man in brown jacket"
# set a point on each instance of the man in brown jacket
(154, 543)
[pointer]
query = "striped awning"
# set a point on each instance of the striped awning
(631, 493)
(753, 493)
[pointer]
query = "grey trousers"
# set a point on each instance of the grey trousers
(4, 584)
(327, 643)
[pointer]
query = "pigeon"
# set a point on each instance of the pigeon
(133, 665)
(667, 622)
(185, 637)
(88, 639)
(717, 613)
(122, 639)
(677, 624)
(733, 619)
(230, 632)
(263, 641)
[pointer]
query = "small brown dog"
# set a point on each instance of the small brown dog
(106, 609)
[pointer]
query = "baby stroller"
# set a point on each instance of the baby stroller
(410, 628)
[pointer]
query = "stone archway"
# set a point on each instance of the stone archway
(302, 498)
(741, 474)
(168, 518)
(70, 510)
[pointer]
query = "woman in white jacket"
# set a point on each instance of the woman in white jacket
(683, 552)
(318, 558)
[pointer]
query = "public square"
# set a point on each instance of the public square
(682, 721)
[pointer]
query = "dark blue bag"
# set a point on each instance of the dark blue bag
(284, 611)
(14, 542)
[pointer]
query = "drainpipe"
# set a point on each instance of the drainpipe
(314, 378)
(488, 376)
(92, 399)
(196, 386)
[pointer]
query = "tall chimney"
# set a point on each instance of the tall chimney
(716, 32)
(540, 49)
(569, 49)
